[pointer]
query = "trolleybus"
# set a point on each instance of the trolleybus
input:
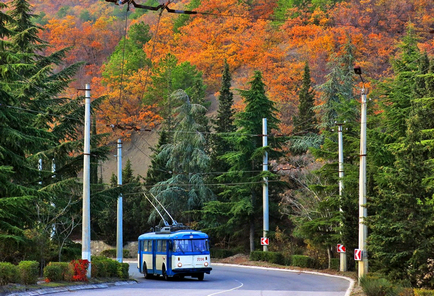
(174, 252)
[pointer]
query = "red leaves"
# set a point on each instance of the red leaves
(80, 270)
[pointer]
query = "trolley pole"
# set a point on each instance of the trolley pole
(343, 256)
(119, 234)
(85, 251)
(265, 187)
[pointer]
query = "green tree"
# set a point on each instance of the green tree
(169, 76)
(223, 125)
(305, 121)
(237, 215)
(187, 159)
(128, 55)
(136, 210)
(319, 220)
(37, 124)
(401, 220)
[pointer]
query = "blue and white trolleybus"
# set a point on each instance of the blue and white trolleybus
(174, 252)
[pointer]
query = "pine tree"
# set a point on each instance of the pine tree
(187, 160)
(223, 124)
(319, 223)
(305, 122)
(401, 220)
(237, 216)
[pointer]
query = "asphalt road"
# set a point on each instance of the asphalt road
(230, 281)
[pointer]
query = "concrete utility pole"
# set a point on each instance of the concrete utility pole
(85, 241)
(343, 256)
(119, 233)
(265, 187)
(363, 211)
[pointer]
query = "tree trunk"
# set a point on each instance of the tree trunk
(329, 255)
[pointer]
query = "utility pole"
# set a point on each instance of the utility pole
(85, 241)
(343, 255)
(265, 186)
(363, 211)
(119, 233)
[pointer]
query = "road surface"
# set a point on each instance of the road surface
(228, 280)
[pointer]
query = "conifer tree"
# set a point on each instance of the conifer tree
(223, 124)
(237, 215)
(187, 160)
(305, 122)
(320, 221)
(401, 220)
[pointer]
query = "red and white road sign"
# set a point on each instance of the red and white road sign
(264, 241)
(358, 254)
(341, 248)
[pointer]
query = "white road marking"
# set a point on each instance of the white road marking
(221, 292)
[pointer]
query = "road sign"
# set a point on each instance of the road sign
(341, 248)
(264, 241)
(357, 254)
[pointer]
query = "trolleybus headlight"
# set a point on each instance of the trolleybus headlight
(179, 264)
(206, 264)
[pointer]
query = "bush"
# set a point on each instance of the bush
(8, 273)
(80, 269)
(335, 264)
(111, 253)
(105, 267)
(257, 256)
(58, 271)
(28, 272)
(123, 270)
(302, 261)
(53, 273)
(377, 286)
(221, 253)
(423, 292)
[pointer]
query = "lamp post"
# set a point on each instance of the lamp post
(363, 211)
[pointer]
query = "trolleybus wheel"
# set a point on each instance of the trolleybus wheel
(145, 272)
(200, 276)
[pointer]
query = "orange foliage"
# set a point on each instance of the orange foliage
(237, 31)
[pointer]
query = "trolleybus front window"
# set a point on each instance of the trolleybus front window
(187, 245)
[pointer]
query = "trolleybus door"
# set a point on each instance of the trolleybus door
(154, 256)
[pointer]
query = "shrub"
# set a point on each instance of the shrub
(376, 286)
(111, 253)
(423, 292)
(105, 267)
(335, 263)
(221, 253)
(53, 273)
(59, 271)
(123, 270)
(28, 272)
(80, 269)
(257, 256)
(302, 261)
(8, 273)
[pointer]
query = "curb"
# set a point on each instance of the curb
(70, 288)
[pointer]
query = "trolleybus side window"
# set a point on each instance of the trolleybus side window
(161, 246)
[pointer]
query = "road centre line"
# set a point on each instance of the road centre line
(348, 292)
(221, 292)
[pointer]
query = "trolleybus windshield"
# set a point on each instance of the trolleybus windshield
(189, 245)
